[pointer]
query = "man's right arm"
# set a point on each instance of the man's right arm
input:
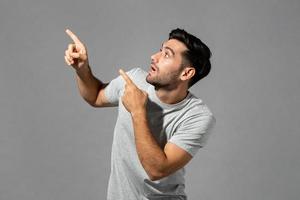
(90, 88)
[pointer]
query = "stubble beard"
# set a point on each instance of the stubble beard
(168, 81)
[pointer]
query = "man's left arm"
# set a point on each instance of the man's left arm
(157, 162)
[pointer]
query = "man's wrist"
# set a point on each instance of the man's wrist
(84, 72)
(138, 113)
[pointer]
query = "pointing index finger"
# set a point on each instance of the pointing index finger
(125, 77)
(73, 36)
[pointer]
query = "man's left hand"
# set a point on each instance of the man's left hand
(134, 99)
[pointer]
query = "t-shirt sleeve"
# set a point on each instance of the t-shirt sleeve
(193, 133)
(113, 90)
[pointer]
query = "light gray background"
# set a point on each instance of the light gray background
(53, 145)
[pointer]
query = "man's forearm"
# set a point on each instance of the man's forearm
(88, 85)
(152, 157)
(150, 153)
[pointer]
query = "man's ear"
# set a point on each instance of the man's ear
(187, 73)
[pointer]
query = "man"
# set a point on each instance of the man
(160, 125)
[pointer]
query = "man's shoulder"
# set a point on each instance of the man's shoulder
(196, 105)
(197, 113)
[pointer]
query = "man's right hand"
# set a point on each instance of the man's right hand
(76, 54)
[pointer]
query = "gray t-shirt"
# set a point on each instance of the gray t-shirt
(186, 124)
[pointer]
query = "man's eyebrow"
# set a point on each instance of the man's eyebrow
(169, 48)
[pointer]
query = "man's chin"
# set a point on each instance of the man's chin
(153, 82)
(148, 78)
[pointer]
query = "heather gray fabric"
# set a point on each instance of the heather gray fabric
(186, 124)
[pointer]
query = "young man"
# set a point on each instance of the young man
(160, 125)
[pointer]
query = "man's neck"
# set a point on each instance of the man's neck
(172, 96)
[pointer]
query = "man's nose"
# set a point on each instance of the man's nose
(154, 57)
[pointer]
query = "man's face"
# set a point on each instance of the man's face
(166, 65)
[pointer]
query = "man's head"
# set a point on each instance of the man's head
(183, 58)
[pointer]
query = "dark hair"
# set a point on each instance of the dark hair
(197, 55)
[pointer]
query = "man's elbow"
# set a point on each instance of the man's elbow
(156, 175)
(91, 103)
(95, 103)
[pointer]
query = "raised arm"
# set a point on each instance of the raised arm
(90, 88)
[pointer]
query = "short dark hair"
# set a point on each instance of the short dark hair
(197, 55)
